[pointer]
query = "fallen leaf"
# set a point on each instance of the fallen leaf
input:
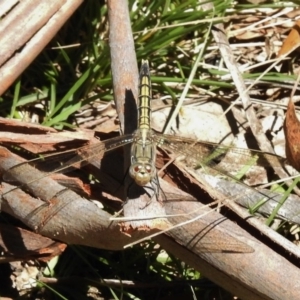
(292, 135)
(292, 41)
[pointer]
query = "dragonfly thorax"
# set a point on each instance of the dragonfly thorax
(143, 156)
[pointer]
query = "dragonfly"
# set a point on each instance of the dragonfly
(144, 142)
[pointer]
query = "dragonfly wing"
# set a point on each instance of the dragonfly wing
(208, 153)
(61, 162)
(189, 217)
(35, 181)
(67, 217)
(204, 235)
(219, 159)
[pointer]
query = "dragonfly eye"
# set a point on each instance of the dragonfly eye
(148, 169)
(137, 168)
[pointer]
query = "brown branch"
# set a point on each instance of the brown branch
(26, 30)
(260, 275)
(209, 243)
(123, 64)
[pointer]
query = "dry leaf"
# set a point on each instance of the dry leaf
(292, 135)
(292, 41)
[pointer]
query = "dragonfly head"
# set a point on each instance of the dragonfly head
(142, 173)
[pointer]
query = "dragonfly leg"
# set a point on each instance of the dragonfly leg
(156, 189)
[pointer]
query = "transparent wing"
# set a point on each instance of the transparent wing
(209, 154)
(28, 176)
(62, 162)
